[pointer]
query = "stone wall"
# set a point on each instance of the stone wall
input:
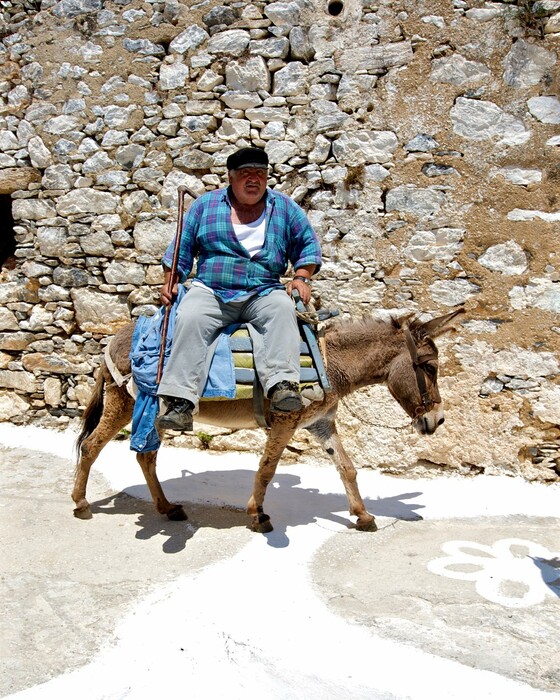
(421, 138)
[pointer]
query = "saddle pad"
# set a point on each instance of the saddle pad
(241, 347)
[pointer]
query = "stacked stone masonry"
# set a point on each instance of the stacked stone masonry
(422, 138)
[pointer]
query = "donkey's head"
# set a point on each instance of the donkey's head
(412, 378)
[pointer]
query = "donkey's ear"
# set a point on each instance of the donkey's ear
(440, 325)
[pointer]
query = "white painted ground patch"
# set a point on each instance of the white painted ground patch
(253, 623)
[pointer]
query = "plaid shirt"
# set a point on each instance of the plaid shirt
(224, 265)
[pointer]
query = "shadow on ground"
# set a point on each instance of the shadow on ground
(216, 499)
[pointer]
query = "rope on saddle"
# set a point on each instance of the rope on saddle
(118, 378)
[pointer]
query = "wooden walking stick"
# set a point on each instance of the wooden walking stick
(181, 191)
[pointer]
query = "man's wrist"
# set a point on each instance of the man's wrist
(306, 280)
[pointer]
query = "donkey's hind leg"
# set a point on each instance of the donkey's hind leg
(116, 413)
(279, 436)
(325, 431)
(174, 511)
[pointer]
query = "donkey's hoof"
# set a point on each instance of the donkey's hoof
(83, 512)
(366, 525)
(177, 513)
(261, 523)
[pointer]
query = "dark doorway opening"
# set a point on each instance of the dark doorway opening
(7, 236)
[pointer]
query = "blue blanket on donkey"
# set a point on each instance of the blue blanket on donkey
(144, 359)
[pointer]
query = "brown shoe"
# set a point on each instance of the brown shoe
(285, 397)
(178, 416)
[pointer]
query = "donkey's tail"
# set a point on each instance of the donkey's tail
(93, 412)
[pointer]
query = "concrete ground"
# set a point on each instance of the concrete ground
(456, 596)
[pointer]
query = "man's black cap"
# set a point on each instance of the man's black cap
(247, 158)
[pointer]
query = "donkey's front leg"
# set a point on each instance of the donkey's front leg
(279, 436)
(174, 511)
(325, 431)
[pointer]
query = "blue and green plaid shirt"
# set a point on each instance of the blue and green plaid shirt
(224, 265)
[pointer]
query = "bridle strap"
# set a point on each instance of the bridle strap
(420, 372)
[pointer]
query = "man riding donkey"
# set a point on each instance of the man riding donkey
(243, 237)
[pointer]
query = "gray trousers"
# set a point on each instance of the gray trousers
(202, 316)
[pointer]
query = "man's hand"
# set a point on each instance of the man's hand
(302, 288)
(169, 289)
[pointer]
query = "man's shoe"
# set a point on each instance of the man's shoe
(285, 397)
(178, 416)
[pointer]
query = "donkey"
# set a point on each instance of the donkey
(399, 353)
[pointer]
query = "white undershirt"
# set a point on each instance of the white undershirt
(251, 236)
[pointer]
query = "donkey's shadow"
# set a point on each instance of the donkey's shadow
(218, 499)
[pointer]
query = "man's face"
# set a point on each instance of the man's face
(248, 184)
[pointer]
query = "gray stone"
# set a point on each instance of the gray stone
(532, 214)
(479, 120)
(97, 243)
(520, 176)
(239, 100)
(8, 141)
(87, 200)
(61, 125)
(97, 163)
(283, 13)
(189, 39)
(280, 151)
(144, 47)
(491, 386)
(435, 170)
(12, 405)
(33, 209)
(457, 70)
(52, 389)
(73, 8)
(22, 381)
(173, 76)
(116, 117)
(38, 320)
(414, 200)
(509, 258)
(32, 268)
(209, 80)
(39, 154)
(453, 292)
(232, 42)
(99, 313)
(358, 147)
(220, 15)
(440, 244)
(70, 277)
(422, 143)
(268, 114)
(234, 129)
(276, 47)
(124, 273)
(249, 75)
(300, 46)
(320, 151)
(546, 109)
(377, 59)
(513, 362)
(291, 80)
(130, 156)
(51, 240)
(527, 64)
(58, 177)
(540, 293)
(8, 321)
(153, 236)
(553, 24)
